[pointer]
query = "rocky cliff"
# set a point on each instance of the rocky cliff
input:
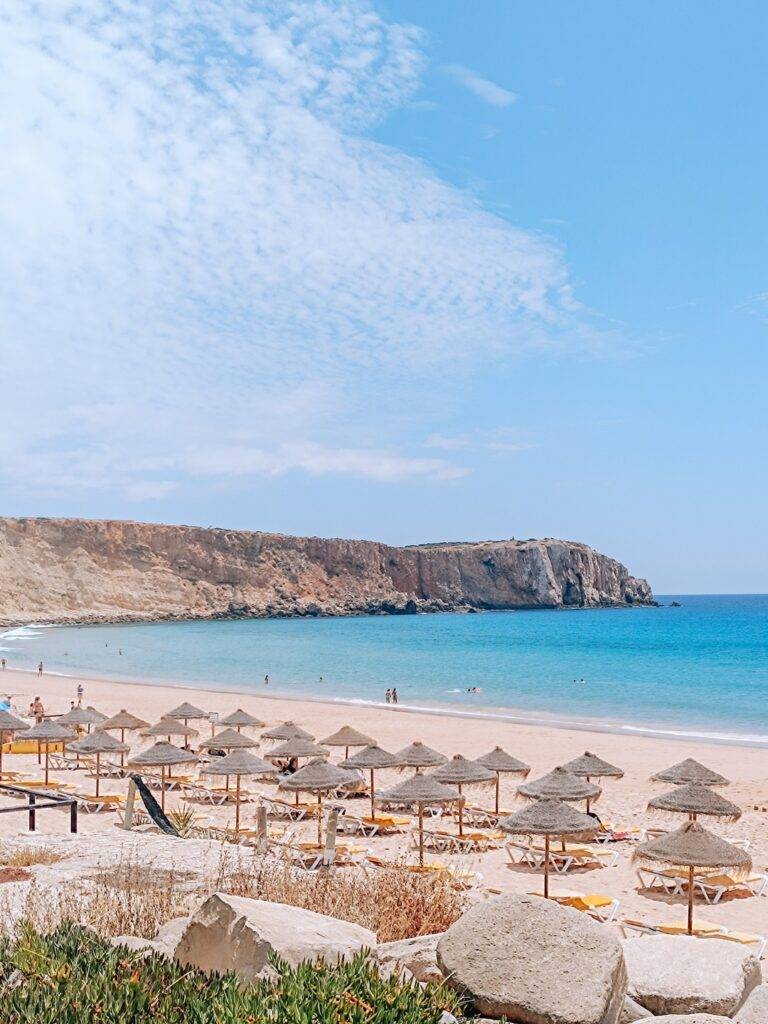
(96, 571)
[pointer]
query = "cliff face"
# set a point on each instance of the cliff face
(96, 571)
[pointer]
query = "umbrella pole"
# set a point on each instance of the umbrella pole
(690, 900)
(39, 751)
(546, 867)
(373, 806)
(2, 740)
(319, 817)
(498, 785)
(46, 764)
(237, 804)
(162, 787)
(421, 835)
(98, 773)
(461, 812)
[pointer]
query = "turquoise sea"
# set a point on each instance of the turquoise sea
(698, 669)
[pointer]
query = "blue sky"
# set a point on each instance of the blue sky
(407, 271)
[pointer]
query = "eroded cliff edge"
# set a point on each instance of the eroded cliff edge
(78, 570)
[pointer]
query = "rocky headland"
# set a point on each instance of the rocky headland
(76, 570)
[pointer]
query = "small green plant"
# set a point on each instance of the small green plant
(185, 820)
(72, 977)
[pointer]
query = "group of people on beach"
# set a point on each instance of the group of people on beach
(391, 696)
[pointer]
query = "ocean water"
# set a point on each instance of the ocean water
(700, 669)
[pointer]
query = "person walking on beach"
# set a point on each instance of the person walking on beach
(266, 680)
(80, 692)
(2, 662)
(394, 695)
(40, 669)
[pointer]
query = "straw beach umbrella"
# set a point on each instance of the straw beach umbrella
(98, 743)
(170, 727)
(318, 777)
(76, 717)
(548, 818)
(125, 722)
(229, 739)
(348, 737)
(691, 846)
(9, 724)
(99, 716)
(286, 731)
(424, 791)
(559, 785)
(590, 766)
(458, 772)
(162, 755)
(49, 732)
(239, 763)
(242, 719)
(418, 755)
(186, 713)
(371, 759)
(690, 770)
(296, 749)
(694, 800)
(500, 762)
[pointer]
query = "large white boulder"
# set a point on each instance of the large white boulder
(417, 957)
(534, 962)
(755, 1010)
(231, 933)
(681, 974)
(169, 934)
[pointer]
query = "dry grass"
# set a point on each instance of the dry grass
(28, 856)
(133, 898)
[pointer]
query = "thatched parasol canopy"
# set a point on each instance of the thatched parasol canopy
(239, 763)
(79, 716)
(186, 711)
(548, 818)
(287, 731)
(560, 785)
(347, 737)
(124, 721)
(238, 719)
(460, 771)
(371, 759)
(162, 755)
(48, 732)
(690, 770)
(691, 846)
(418, 755)
(229, 739)
(99, 742)
(421, 790)
(100, 716)
(498, 760)
(170, 727)
(318, 777)
(694, 800)
(297, 747)
(9, 724)
(590, 766)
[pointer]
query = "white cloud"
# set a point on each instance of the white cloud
(199, 242)
(499, 441)
(483, 88)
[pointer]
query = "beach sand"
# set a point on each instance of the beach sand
(623, 802)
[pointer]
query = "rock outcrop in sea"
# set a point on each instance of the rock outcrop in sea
(76, 570)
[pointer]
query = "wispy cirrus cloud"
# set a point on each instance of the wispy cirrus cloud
(199, 241)
(481, 87)
(499, 441)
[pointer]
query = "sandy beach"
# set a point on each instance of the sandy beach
(623, 802)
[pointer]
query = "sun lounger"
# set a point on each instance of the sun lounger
(654, 878)
(65, 763)
(285, 809)
(92, 804)
(524, 853)
(53, 785)
(198, 791)
(481, 817)
(760, 942)
(714, 887)
(700, 931)
(461, 878)
(602, 908)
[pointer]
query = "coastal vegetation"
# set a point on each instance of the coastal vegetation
(71, 976)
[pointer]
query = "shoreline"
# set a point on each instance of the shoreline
(507, 716)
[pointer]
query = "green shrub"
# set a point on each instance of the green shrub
(73, 977)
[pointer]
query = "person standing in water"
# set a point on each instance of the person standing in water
(266, 680)
(388, 696)
(40, 669)
(394, 695)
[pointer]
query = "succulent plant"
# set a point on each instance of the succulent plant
(71, 976)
